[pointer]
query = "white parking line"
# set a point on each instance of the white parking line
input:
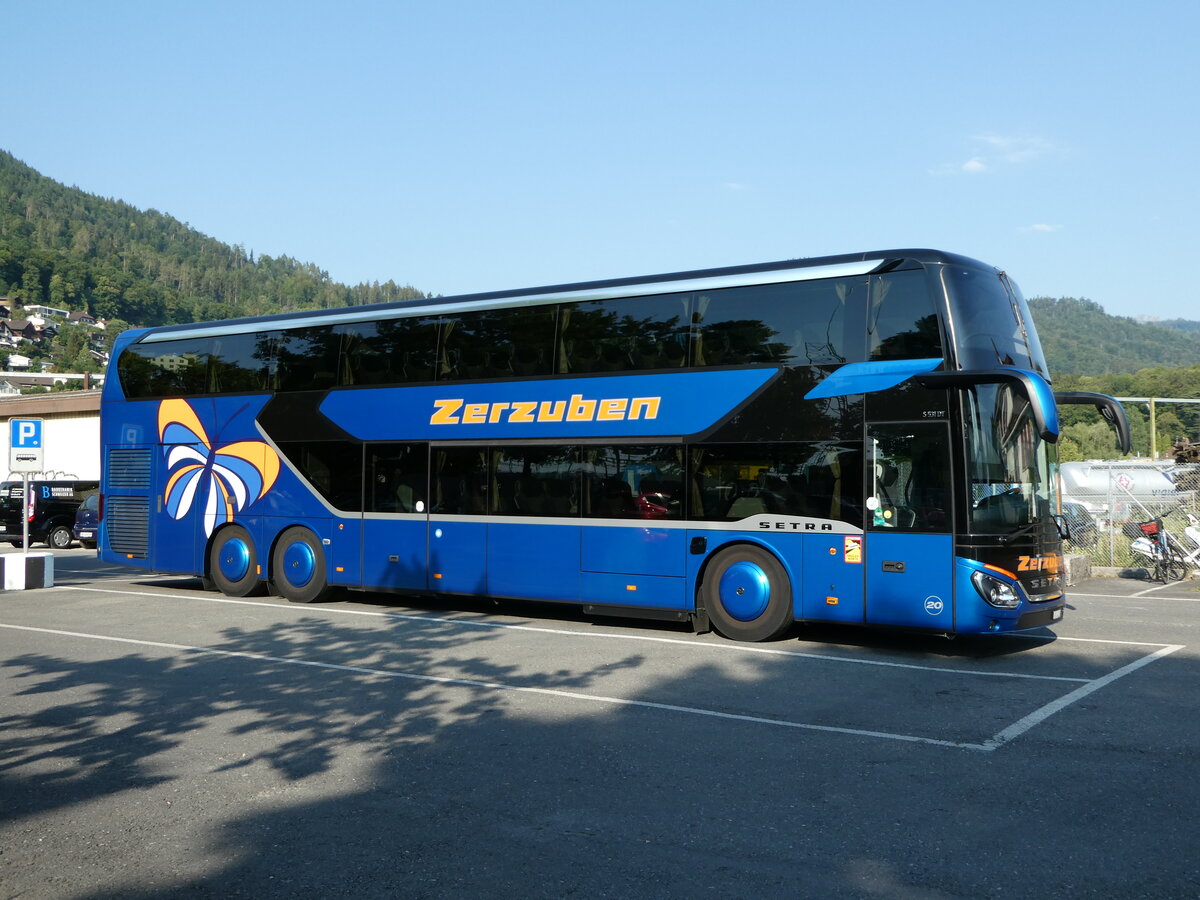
(1022, 725)
(500, 686)
(1145, 593)
(1000, 739)
(720, 647)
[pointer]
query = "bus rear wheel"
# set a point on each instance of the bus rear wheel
(298, 566)
(233, 563)
(747, 594)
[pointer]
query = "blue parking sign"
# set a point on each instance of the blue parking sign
(25, 434)
(25, 448)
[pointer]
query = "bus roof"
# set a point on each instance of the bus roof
(844, 265)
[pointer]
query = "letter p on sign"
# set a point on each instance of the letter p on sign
(25, 450)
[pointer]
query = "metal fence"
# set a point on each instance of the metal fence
(1104, 501)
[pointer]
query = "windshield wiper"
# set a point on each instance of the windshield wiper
(1023, 530)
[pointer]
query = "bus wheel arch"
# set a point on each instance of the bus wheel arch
(746, 592)
(233, 562)
(298, 567)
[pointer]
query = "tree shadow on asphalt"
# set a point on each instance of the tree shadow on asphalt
(422, 774)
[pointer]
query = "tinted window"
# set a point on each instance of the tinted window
(903, 319)
(240, 362)
(165, 369)
(389, 352)
(459, 479)
(306, 359)
(802, 323)
(732, 482)
(633, 482)
(497, 343)
(991, 324)
(629, 334)
(537, 481)
(910, 478)
(396, 477)
(334, 468)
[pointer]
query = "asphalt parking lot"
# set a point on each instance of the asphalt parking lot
(159, 740)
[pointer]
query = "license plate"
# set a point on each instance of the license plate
(84, 534)
(1058, 614)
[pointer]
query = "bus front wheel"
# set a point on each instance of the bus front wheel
(233, 562)
(747, 594)
(298, 566)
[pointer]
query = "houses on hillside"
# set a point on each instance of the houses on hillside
(36, 323)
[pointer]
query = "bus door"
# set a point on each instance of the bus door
(459, 492)
(909, 553)
(394, 529)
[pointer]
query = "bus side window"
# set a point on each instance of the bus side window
(396, 475)
(633, 482)
(536, 481)
(306, 359)
(910, 478)
(795, 323)
(334, 468)
(639, 333)
(903, 321)
(240, 363)
(460, 481)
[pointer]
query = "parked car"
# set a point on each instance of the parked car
(1081, 522)
(50, 511)
(87, 521)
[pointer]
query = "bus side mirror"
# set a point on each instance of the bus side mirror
(1032, 385)
(1109, 407)
(1064, 527)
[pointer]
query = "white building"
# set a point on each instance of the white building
(70, 430)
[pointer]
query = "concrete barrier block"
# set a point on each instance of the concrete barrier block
(1079, 568)
(25, 571)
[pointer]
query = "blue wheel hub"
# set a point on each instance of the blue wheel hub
(299, 563)
(234, 561)
(745, 591)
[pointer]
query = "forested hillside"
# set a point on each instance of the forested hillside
(1080, 338)
(65, 248)
(69, 249)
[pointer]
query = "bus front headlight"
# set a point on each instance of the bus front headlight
(998, 593)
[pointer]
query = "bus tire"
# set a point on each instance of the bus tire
(233, 562)
(747, 594)
(298, 566)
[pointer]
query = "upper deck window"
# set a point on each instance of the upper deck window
(826, 322)
(902, 321)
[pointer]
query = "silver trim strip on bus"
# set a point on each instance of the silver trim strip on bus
(760, 524)
(840, 270)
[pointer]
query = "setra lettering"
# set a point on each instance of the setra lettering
(796, 526)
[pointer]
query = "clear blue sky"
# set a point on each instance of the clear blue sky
(466, 146)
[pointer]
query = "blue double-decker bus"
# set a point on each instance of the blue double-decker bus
(865, 439)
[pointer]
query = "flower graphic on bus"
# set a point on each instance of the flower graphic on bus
(228, 478)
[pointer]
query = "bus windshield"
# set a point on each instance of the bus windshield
(992, 323)
(1008, 463)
